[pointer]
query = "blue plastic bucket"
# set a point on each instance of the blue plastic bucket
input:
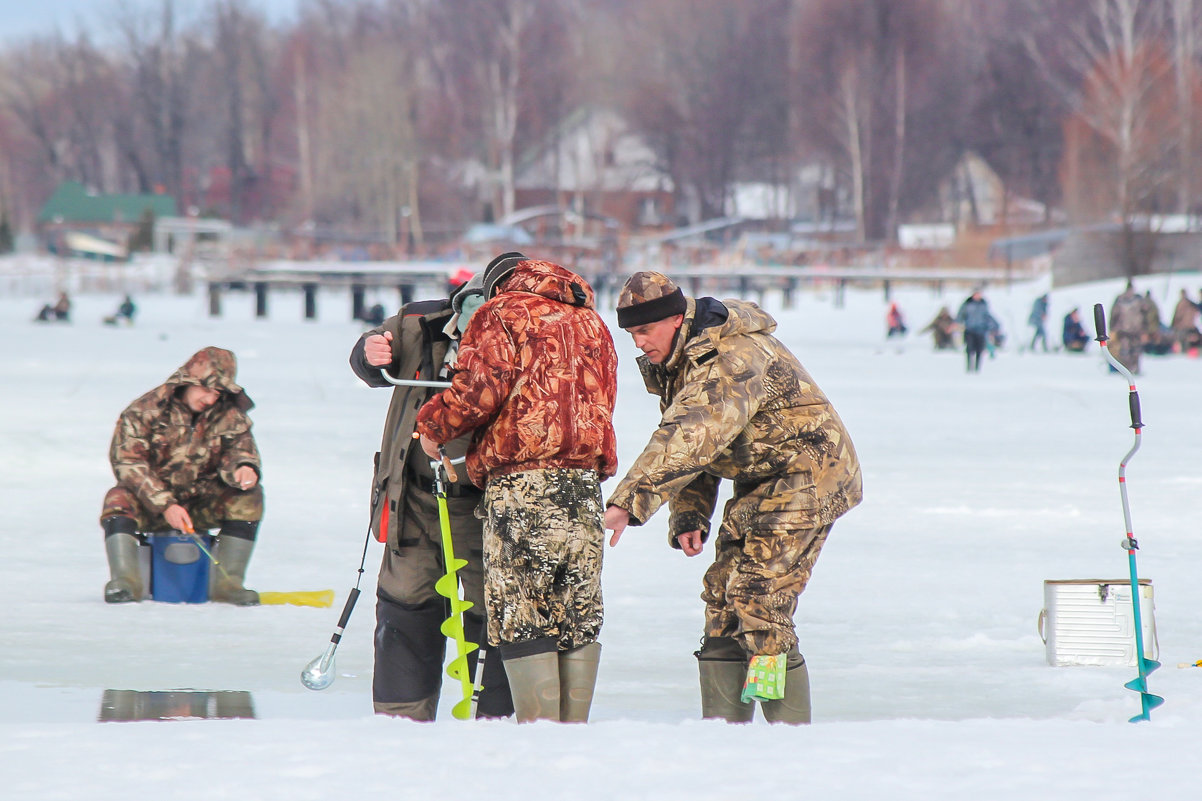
(179, 570)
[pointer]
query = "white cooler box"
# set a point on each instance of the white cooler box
(1089, 622)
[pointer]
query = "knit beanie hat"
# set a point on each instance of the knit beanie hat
(649, 297)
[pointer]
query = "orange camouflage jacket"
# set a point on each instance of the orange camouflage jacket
(536, 379)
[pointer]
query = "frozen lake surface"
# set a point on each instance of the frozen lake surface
(929, 675)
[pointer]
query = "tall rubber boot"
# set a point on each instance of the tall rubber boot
(722, 665)
(121, 547)
(232, 551)
(533, 671)
(577, 678)
(794, 708)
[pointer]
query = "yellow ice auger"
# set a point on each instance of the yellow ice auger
(448, 587)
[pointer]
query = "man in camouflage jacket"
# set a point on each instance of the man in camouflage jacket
(418, 343)
(736, 404)
(185, 459)
(536, 382)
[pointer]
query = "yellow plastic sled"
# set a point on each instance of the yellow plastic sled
(321, 598)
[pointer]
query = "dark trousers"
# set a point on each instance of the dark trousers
(974, 345)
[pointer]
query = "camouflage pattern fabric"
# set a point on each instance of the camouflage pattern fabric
(543, 540)
(1127, 329)
(751, 589)
(737, 404)
(644, 287)
(209, 503)
(164, 454)
(536, 380)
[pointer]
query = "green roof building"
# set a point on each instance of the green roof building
(72, 203)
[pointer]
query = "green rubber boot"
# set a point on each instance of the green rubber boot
(226, 577)
(722, 665)
(121, 548)
(577, 679)
(794, 708)
(534, 684)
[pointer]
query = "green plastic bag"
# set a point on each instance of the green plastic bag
(765, 678)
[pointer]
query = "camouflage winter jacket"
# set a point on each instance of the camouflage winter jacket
(161, 450)
(736, 404)
(1127, 314)
(536, 379)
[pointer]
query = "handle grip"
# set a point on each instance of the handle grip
(1099, 322)
(1133, 402)
(346, 615)
(447, 465)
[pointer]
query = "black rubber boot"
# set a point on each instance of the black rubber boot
(235, 542)
(121, 545)
(409, 652)
(722, 665)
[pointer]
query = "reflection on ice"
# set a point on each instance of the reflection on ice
(130, 705)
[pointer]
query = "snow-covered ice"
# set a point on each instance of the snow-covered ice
(929, 676)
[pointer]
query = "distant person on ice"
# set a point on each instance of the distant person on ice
(736, 404)
(59, 312)
(1073, 336)
(185, 460)
(895, 322)
(125, 313)
(979, 326)
(536, 380)
(943, 329)
(421, 341)
(1128, 328)
(1038, 320)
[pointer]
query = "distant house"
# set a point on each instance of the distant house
(594, 163)
(77, 221)
(974, 194)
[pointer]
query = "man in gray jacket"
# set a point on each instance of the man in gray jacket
(420, 342)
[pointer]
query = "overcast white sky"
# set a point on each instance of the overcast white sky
(24, 18)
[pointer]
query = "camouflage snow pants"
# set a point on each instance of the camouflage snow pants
(543, 539)
(209, 504)
(762, 562)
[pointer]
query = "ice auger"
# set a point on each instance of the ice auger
(1148, 701)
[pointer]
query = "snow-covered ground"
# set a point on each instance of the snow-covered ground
(929, 676)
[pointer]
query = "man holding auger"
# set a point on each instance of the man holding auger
(420, 342)
(736, 404)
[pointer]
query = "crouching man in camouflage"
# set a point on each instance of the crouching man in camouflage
(536, 381)
(185, 459)
(736, 404)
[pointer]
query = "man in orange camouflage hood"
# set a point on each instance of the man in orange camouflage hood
(536, 380)
(185, 460)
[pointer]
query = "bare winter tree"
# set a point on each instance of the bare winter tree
(868, 73)
(1113, 67)
(157, 55)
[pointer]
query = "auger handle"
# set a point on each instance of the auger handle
(1099, 322)
(448, 465)
(346, 615)
(1133, 402)
(412, 382)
